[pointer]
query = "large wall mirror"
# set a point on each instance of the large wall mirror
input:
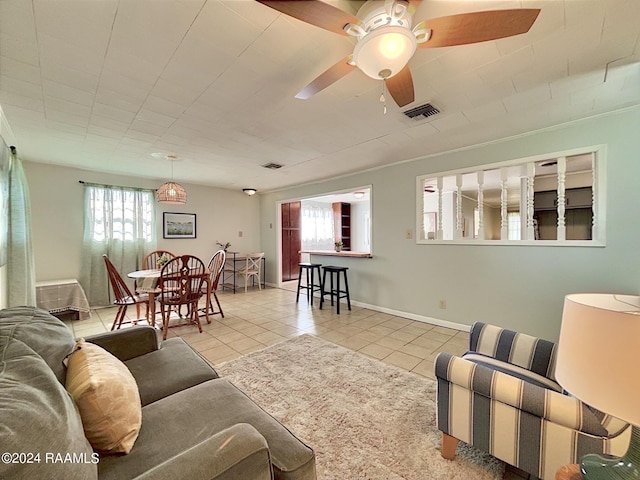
(553, 199)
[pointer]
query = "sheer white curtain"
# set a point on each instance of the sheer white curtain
(317, 227)
(121, 223)
(21, 276)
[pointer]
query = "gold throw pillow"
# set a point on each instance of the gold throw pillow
(107, 397)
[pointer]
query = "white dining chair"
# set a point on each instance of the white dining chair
(252, 269)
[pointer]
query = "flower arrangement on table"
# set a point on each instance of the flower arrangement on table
(224, 246)
(338, 245)
(162, 260)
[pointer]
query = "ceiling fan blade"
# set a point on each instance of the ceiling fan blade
(315, 12)
(330, 76)
(477, 27)
(400, 87)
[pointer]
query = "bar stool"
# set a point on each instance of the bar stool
(311, 286)
(335, 271)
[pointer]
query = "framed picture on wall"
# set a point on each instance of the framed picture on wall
(178, 225)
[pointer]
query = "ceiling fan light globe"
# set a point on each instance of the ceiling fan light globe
(386, 48)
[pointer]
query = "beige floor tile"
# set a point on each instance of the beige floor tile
(230, 337)
(417, 328)
(425, 368)
(205, 342)
(404, 336)
(402, 360)
(216, 354)
(445, 331)
(245, 345)
(268, 338)
(333, 336)
(381, 329)
(252, 330)
(391, 342)
(226, 358)
(437, 336)
(416, 351)
(376, 351)
(286, 331)
(354, 343)
(427, 342)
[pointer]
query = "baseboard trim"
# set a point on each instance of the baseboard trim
(413, 316)
(399, 313)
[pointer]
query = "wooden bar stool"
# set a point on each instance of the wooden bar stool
(311, 286)
(335, 292)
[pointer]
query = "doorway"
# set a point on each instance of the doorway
(291, 240)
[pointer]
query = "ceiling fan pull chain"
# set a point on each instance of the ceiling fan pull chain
(383, 100)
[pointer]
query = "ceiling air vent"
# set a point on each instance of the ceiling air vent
(425, 110)
(272, 166)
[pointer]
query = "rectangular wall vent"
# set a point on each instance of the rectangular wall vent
(425, 110)
(272, 166)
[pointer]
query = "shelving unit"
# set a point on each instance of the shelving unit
(342, 223)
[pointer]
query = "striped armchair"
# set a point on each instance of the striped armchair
(502, 397)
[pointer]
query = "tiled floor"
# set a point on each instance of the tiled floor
(261, 318)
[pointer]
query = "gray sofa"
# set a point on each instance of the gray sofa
(194, 424)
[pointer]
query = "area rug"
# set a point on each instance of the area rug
(363, 418)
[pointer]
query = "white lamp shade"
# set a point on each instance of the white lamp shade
(171, 193)
(387, 48)
(599, 352)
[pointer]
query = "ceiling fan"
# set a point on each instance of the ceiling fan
(387, 39)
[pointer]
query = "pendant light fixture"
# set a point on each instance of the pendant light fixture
(170, 193)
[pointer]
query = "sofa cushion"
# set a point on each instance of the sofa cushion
(107, 396)
(173, 367)
(183, 420)
(44, 333)
(39, 417)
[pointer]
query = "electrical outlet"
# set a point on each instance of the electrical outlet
(443, 304)
(409, 234)
(240, 233)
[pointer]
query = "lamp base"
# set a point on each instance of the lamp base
(595, 467)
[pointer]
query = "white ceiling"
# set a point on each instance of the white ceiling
(102, 84)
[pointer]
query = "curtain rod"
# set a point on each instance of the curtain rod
(90, 184)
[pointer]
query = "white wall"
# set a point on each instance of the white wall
(520, 287)
(57, 203)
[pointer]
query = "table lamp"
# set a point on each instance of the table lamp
(599, 363)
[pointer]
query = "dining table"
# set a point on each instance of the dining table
(147, 283)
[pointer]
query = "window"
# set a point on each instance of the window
(120, 223)
(120, 214)
(554, 199)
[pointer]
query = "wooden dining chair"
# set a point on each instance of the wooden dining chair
(252, 269)
(210, 286)
(180, 283)
(123, 296)
(150, 260)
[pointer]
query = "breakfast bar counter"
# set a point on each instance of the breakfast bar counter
(343, 253)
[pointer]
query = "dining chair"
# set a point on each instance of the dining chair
(210, 286)
(252, 269)
(123, 296)
(180, 283)
(150, 260)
